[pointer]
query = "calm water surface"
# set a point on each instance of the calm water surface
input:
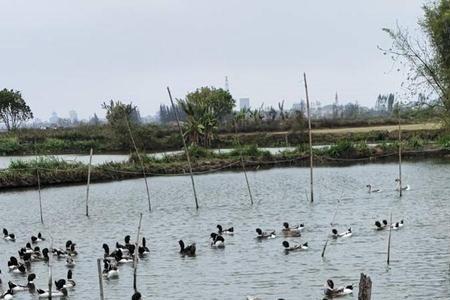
(420, 250)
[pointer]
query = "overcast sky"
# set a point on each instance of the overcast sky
(66, 55)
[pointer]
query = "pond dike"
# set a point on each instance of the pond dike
(27, 178)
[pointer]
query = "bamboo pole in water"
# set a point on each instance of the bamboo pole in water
(186, 150)
(39, 193)
(140, 160)
(88, 182)
(399, 152)
(389, 242)
(100, 279)
(243, 164)
(50, 280)
(136, 255)
(311, 157)
(331, 224)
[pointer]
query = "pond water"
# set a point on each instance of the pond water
(419, 255)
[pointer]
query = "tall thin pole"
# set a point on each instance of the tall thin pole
(186, 150)
(389, 242)
(140, 160)
(243, 164)
(88, 182)
(39, 193)
(311, 157)
(136, 255)
(399, 150)
(100, 279)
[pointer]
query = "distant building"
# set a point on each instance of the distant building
(73, 116)
(54, 118)
(244, 103)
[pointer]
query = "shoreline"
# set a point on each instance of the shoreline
(20, 179)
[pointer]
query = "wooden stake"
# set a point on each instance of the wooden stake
(399, 151)
(243, 164)
(136, 255)
(88, 182)
(140, 160)
(186, 150)
(100, 279)
(39, 193)
(389, 242)
(311, 157)
(365, 287)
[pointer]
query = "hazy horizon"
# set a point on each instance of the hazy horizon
(65, 55)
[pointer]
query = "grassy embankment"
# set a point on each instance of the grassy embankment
(152, 138)
(53, 171)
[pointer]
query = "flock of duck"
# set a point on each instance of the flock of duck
(128, 253)
(31, 254)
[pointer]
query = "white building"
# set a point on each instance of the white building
(244, 103)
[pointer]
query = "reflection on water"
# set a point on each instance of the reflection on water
(419, 258)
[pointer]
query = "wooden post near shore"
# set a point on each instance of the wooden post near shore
(399, 151)
(100, 279)
(365, 287)
(140, 160)
(136, 255)
(186, 150)
(311, 155)
(39, 194)
(50, 280)
(88, 182)
(389, 242)
(243, 164)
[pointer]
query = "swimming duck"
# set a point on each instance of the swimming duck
(28, 287)
(37, 239)
(295, 247)
(292, 231)
(19, 270)
(403, 188)
(8, 236)
(143, 250)
(381, 225)
(332, 292)
(55, 294)
(13, 263)
(372, 190)
(70, 262)
(264, 234)
(221, 231)
(397, 225)
(121, 259)
(45, 255)
(107, 255)
(126, 245)
(71, 251)
(335, 234)
(189, 250)
(59, 253)
(217, 241)
(110, 270)
(70, 283)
